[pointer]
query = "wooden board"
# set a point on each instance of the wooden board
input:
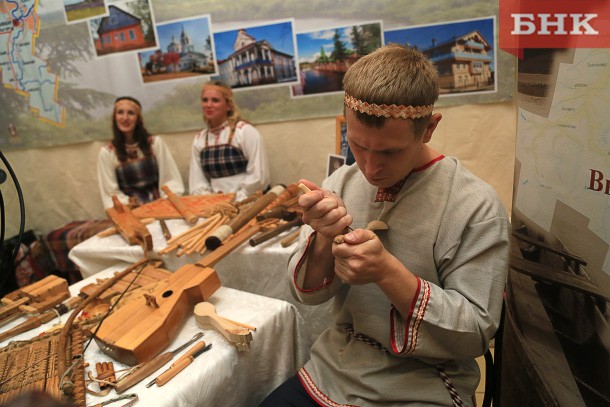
(163, 209)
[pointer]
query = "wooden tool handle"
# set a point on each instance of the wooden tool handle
(287, 241)
(255, 241)
(29, 324)
(173, 371)
(165, 230)
(240, 220)
(175, 200)
(144, 371)
(199, 345)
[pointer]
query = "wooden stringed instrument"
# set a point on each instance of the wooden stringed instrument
(142, 328)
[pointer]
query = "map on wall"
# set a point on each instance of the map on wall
(63, 63)
(23, 72)
(562, 178)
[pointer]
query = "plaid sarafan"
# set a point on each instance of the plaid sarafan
(139, 178)
(223, 160)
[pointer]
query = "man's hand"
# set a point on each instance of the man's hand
(324, 211)
(362, 258)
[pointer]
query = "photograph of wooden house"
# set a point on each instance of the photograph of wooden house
(257, 56)
(129, 26)
(463, 52)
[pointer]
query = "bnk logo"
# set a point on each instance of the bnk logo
(553, 24)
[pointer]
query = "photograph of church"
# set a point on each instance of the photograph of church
(185, 49)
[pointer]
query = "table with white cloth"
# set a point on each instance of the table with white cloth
(221, 376)
(262, 269)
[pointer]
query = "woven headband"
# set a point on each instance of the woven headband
(227, 92)
(129, 103)
(397, 112)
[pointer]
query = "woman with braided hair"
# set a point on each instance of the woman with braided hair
(229, 155)
(135, 164)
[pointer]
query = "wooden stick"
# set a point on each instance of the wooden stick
(166, 233)
(177, 241)
(292, 202)
(175, 200)
(194, 228)
(287, 241)
(304, 188)
(199, 242)
(220, 253)
(200, 248)
(255, 241)
(224, 231)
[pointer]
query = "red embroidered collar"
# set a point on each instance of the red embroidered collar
(391, 193)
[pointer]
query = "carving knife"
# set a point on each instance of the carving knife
(180, 364)
(151, 366)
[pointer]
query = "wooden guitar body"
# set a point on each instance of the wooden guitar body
(141, 329)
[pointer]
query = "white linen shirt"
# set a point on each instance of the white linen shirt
(107, 162)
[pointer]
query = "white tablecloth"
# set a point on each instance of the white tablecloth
(260, 270)
(222, 376)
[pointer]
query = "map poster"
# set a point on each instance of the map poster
(23, 72)
(562, 175)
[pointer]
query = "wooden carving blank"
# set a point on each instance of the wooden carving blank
(129, 226)
(237, 333)
(164, 209)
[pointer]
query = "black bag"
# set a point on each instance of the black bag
(33, 262)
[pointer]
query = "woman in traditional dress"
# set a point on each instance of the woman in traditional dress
(229, 155)
(135, 164)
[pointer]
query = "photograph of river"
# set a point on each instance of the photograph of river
(325, 56)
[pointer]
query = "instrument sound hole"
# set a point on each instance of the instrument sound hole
(167, 293)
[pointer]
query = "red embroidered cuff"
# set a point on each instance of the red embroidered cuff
(404, 331)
